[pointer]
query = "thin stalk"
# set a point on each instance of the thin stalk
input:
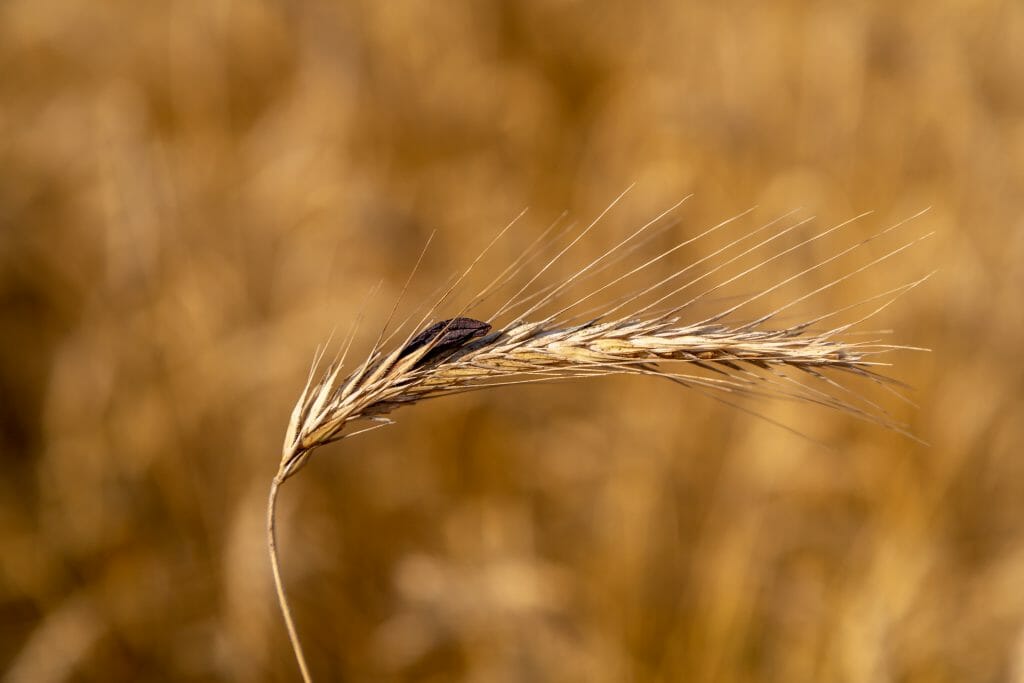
(282, 600)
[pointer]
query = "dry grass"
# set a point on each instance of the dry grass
(745, 358)
(192, 195)
(638, 334)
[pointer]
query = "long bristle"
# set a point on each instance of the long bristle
(740, 359)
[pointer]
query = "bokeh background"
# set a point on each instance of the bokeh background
(193, 195)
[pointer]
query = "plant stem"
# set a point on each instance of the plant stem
(278, 585)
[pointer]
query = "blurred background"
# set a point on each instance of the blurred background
(193, 195)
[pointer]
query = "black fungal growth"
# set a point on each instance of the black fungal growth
(445, 337)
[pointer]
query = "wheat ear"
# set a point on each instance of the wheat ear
(463, 354)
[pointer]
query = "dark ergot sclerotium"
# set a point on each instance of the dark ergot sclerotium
(445, 336)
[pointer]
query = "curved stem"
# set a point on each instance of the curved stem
(293, 635)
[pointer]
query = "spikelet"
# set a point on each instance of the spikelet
(712, 355)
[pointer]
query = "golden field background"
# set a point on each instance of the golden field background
(194, 195)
